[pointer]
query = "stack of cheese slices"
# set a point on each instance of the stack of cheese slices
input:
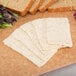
(24, 6)
(40, 39)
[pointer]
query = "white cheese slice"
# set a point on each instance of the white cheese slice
(40, 30)
(20, 48)
(58, 31)
(30, 30)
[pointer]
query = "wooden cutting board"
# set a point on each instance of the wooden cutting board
(14, 64)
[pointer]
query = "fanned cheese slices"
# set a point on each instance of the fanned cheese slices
(40, 39)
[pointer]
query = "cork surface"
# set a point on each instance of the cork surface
(14, 64)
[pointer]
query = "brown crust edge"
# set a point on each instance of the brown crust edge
(23, 13)
(60, 9)
(47, 5)
(33, 11)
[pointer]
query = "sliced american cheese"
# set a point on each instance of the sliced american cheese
(58, 31)
(30, 30)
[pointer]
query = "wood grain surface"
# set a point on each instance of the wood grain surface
(14, 64)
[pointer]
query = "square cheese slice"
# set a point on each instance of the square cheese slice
(58, 32)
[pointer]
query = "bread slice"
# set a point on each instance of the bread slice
(61, 5)
(46, 4)
(19, 6)
(35, 6)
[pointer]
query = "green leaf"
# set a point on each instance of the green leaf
(4, 25)
(1, 15)
(16, 15)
